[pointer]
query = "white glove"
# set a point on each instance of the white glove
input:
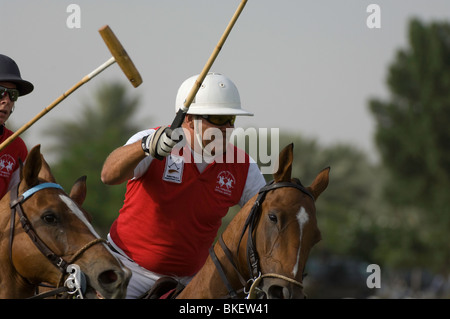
(158, 145)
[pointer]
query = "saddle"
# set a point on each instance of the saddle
(164, 288)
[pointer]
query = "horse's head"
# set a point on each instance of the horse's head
(287, 229)
(61, 224)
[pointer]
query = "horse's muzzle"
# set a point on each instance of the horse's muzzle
(276, 288)
(110, 284)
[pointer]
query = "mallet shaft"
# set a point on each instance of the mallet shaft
(56, 102)
(101, 68)
(213, 56)
(179, 117)
(119, 55)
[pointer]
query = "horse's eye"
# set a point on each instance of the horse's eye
(273, 218)
(50, 218)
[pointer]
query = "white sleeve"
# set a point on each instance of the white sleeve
(255, 181)
(143, 165)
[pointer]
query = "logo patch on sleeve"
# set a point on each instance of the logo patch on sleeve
(173, 171)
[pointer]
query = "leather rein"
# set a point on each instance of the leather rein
(252, 255)
(72, 284)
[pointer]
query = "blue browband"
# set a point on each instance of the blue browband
(37, 188)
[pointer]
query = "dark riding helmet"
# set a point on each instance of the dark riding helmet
(9, 72)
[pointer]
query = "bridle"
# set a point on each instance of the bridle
(74, 282)
(252, 255)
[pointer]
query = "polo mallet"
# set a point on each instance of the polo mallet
(181, 114)
(119, 55)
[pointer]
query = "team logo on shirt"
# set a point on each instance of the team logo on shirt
(7, 163)
(174, 169)
(225, 182)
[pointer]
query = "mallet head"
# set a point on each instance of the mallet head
(120, 55)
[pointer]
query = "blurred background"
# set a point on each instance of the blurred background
(371, 102)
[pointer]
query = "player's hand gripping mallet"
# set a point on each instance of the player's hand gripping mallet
(119, 55)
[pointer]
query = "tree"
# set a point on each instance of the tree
(413, 138)
(83, 143)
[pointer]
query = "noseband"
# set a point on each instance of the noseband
(252, 255)
(16, 207)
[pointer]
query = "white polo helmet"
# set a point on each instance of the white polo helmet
(216, 96)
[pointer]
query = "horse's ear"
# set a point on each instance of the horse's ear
(320, 183)
(285, 159)
(78, 191)
(32, 166)
(21, 168)
(45, 172)
(78, 194)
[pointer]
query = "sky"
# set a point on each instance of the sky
(305, 67)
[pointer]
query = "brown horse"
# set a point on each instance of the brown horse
(44, 233)
(265, 247)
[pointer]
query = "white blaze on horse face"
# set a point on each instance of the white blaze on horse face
(302, 218)
(74, 209)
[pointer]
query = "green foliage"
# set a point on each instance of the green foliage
(82, 145)
(413, 138)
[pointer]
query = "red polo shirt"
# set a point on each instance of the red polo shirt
(9, 158)
(172, 213)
